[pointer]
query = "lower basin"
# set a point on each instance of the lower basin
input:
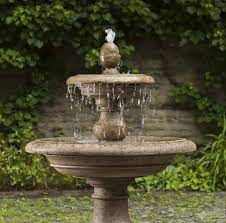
(132, 157)
(110, 166)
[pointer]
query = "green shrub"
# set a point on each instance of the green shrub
(213, 158)
(206, 172)
(183, 174)
(18, 118)
(20, 170)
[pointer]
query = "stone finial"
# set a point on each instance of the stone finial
(109, 53)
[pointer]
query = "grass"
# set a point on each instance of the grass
(154, 207)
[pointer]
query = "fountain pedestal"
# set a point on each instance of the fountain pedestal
(110, 200)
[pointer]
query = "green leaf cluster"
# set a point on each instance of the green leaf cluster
(210, 111)
(213, 158)
(205, 172)
(184, 174)
(37, 25)
(13, 58)
(18, 118)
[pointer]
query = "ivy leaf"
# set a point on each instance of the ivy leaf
(191, 10)
(9, 20)
(39, 43)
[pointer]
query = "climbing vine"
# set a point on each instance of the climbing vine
(30, 29)
(18, 117)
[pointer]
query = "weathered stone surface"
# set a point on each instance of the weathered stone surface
(10, 81)
(110, 79)
(110, 200)
(130, 146)
(109, 55)
(110, 166)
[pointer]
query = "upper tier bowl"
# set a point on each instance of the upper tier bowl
(110, 79)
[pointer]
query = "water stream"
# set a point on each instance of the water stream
(129, 98)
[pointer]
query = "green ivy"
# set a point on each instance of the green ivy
(80, 24)
(14, 58)
(18, 117)
(210, 111)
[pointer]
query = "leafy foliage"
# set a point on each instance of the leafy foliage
(206, 172)
(210, 111)
(29, 29)
(40, 24)
(10, 57)
(18, 117)
(214, 159)
(183, 174)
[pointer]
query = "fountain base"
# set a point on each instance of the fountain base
(110, 166)
(110, 200)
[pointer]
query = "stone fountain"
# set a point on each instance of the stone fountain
(112, 160)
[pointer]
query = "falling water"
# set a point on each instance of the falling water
(143, 98)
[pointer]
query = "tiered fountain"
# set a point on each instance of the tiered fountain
(112, 160)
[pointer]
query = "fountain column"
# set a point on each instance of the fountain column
(110, 200)
(111, 126)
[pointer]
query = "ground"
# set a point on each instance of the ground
(76, 207)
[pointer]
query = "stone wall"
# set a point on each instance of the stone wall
(169, 64)
(10, 81)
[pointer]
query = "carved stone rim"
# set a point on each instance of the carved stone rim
(110, 79)
(69, 146)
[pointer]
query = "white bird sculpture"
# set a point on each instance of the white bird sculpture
(110, 35)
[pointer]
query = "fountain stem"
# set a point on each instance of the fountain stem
(110, 200)
(110, 126)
